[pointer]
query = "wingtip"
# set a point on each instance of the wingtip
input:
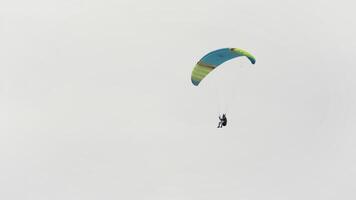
(195, 83)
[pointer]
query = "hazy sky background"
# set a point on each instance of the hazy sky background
(96, 100)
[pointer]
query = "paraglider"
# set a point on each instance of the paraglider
(211, 61)
(223, 121)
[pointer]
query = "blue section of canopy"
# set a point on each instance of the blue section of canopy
(218, 57)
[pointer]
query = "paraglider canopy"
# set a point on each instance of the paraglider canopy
(215, 58)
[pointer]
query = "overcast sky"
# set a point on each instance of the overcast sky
(96, 100)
